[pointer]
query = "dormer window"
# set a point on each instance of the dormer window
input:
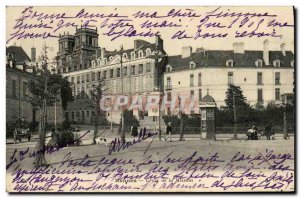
(192, 65)
(140, 54)
(124, 55)
(292, 63)
(276, 63)
(169, 68)
(258, 63)
(132, 55)
(229, 63)
(148, 52)
(93, 64)
(110, 58)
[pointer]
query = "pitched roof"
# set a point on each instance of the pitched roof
(218, 58)
(19, 54)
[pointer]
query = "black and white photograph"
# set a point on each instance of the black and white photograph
(150, 99)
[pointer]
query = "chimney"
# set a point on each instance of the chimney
(103, 53)
(186, 52)
(33, 54)
(282, 47)
(266, 52)
(159, 43)
(238, 48)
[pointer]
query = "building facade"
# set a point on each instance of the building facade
(262, 75)
(18, 75)
(132, 72)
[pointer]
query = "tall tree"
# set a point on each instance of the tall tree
(240, 100)
(97, 92)
(44, 88)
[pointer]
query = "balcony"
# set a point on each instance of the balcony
(168, 87)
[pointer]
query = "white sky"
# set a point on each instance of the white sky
(172, 47)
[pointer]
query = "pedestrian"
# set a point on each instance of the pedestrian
(145, 130)
(29, 135)
(134, 132)
(169, 132)
(268, 130)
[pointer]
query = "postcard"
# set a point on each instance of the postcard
(150, 99)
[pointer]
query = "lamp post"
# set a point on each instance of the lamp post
(156, 56)
(122, 92)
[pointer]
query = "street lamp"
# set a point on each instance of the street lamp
(158, 54)
(122, 92)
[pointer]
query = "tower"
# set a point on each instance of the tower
(86, 45)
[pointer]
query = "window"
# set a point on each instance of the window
(99, 75)
(169, 85)
(292, 63)
(259, 78)
(140, 68)
(277, 94)
(125, 71)
(260, 96)
(72, 80)
(87, 113)
(125, 56)
(199, 79)
(229, 63)
(148, 67)
(133, 70)
(148, 52)
(82, 79)
(230, 78)
(24, 89)
(93, 76)
(169, 68)
(192, 64)
(111, 73)
(277, 78)
(192, 93)
(88, 78)
(118, 72)
(200, 94)
(169, 96)
(132, 55)
(192, 80)
(104, 74)
(276, 63)
(140, 54)
(258, 63)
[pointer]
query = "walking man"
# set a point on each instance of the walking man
(169, 132)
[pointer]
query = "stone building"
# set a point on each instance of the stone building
(19, 72)
(81, 59)
(262, 75)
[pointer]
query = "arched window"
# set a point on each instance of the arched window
(192, 64)
(229, 63)
(169, 68)
(148, 52)
(132, 55)
(98, 62)
(258, 63)
(124, 56)
(93, 63)
(140, 54)
(276, 63)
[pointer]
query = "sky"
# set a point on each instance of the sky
(171, 46)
